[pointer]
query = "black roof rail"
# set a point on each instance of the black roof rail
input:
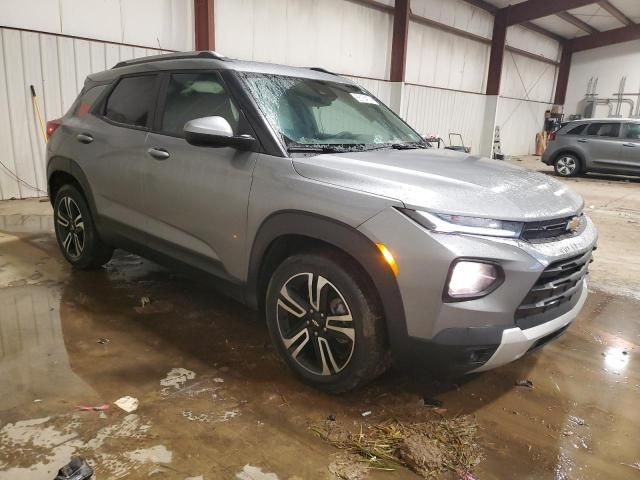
(171, 56)
(323, 70)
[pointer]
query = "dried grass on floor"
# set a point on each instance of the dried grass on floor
(427, 448)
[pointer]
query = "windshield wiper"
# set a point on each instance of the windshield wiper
(407, 146)
(315, 148)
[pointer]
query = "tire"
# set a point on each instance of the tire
(75, 230)
(567, 165)
(330, 354)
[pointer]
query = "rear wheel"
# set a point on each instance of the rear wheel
(567, 165)
(326, 322)
(75, 231)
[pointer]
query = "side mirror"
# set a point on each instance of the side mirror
(215, 132)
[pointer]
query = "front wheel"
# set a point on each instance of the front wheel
(76, 232)
(567, 165)
(326, 322)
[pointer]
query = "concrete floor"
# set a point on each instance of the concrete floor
(215, 402)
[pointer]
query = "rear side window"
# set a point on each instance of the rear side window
(132, 100)
(579, 130)
(632, 131)
(604, 129)
(196, 95)
(86, 100)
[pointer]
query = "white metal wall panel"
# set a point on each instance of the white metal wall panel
(446, 60)
(437, 111)
(456, 13)
(56, 66)
(339, 35)
(519, 121)
(526, 78)
(166, 24)
(530, 41)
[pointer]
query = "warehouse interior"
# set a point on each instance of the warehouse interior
(138, 370)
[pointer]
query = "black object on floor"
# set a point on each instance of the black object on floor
(76, 469)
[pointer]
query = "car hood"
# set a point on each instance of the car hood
(446, 181)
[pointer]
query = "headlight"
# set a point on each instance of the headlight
(469, 279)
(445, 223)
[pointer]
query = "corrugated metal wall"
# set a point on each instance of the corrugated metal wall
(338, 35)
(56, 66)
(436, 111)
(519, 121)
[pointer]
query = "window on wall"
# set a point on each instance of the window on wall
(604, 129)
(132, 100)
(196, 95)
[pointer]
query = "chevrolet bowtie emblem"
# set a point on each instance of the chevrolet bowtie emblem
(573, 224)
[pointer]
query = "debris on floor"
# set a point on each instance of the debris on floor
(427, 447)
(348, 466)
(431, 402)
(176, 378)
(103, 340)
(576, 420)
(128, 404)
(249, 472)
(632, 465)
(93, 408)
(367, 413)
(525, 383)
(144, 301)
(76, 469)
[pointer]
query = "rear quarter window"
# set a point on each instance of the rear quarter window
(86, 100)
(579, 130)
(132, 100)
(604, 129)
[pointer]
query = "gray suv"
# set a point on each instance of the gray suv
(608, 146)
(299, 193)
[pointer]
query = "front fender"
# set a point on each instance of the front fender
(341, 236)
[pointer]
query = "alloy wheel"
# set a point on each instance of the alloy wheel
(70, 227)
(315, 324)
(566, 165)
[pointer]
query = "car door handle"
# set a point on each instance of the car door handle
(582, 140)
(629, 145)
(158, 153)
(84, 138)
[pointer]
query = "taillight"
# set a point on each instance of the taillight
(52, 126)
(552, 136)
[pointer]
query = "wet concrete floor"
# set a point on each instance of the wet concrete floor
(215, 402)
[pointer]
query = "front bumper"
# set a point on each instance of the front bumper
(472, 335)
(515, 342)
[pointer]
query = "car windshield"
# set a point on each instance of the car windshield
(311, 113)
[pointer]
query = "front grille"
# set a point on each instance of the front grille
(551, 229)
(555, 292)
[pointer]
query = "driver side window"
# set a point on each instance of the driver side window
(196, 95)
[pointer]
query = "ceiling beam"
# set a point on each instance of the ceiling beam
(482, 4)
(602, 39)
(492, 9)
(532, 9)
(614, 12)
(575, 21)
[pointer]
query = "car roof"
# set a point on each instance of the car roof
(206, 60)
(604, 119)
